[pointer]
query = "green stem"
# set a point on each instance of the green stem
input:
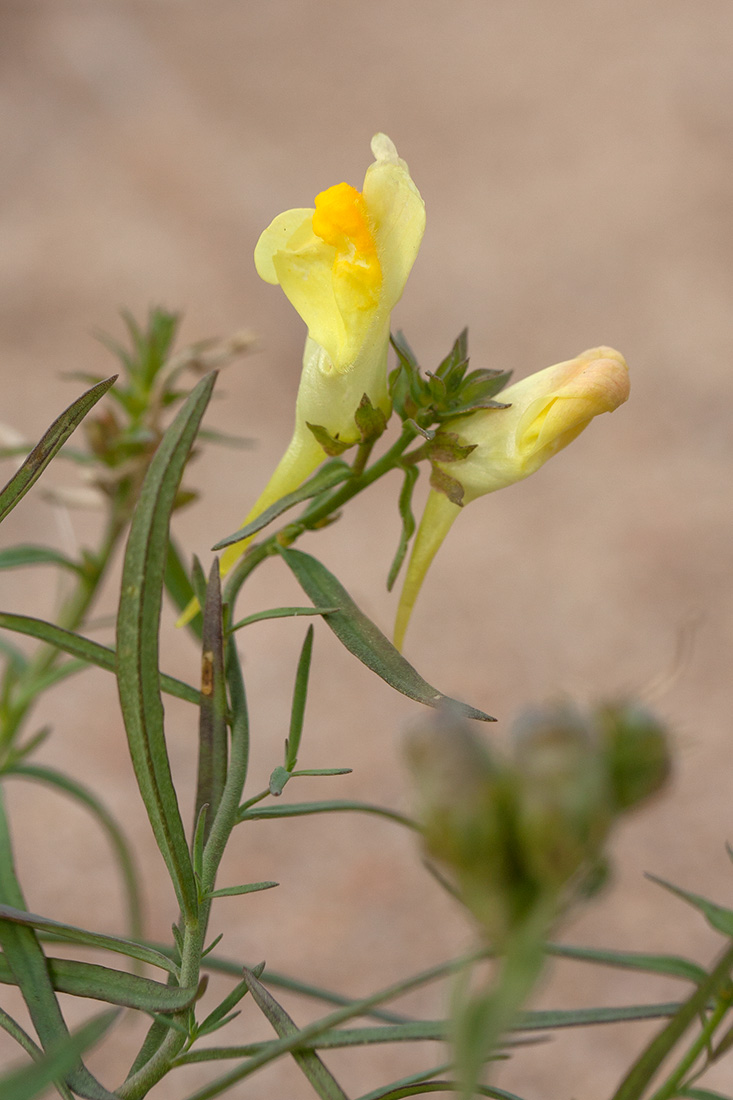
(317, 513)
(675, 1081)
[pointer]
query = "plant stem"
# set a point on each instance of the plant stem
(674, 1082)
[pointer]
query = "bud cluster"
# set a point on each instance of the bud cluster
(523, 834)
(433, 398)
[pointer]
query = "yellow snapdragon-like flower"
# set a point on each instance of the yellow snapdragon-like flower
(343, 265)
(547, 411)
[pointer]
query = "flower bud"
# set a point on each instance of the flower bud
(465, 800)
(637, 752)
(564, 799)
(547, 411)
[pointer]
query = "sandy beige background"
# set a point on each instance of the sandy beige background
(575, 158)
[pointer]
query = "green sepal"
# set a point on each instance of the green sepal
(329, 443)
(449, 486)
(362, 638)
(49, 444)
(370, 420)
(138, 626)
(330, 475)
(322, 1080)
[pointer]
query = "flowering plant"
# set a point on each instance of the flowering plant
(516, 836)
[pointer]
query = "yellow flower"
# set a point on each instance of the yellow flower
(547, 411)
(343, 265)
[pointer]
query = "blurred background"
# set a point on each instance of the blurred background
(576, 162)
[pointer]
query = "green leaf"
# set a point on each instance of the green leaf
(16, 557)
(31, 1081)
(87, 650)
(297, 713)
(302, 809)
(118, 987)
(247, 888)
(72, 934)
(48, 445)
(362, 638)
(671, 965)
(120, 847)
(221, 1012)
(322, 1080)
(645, 1067)
(212, 761)
(332, 474)
(137, 641)
(178, 586)
(412, 473)
(717, 916)
(702, 1094)
(28, 966)
(281, 613)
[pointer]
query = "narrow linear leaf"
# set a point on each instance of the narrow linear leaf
(72, 934)
(300, 694)
(702, 1094)
(424, 1087)
(643, 1070)
(247, 888)
(412, 473)
(178, 585)
(220, 1013)
(322, 771)
(671, 965)
(122, 851)
(332, 474)
(137, 641)
(718, 917)
(362, 638)
(30, 973)
(16, 557)
(31, 1081)
(212, 759)
(49, 444)
(280, 613)
(102, 983)
(301, 809)
(315, 1071)
(87, 650)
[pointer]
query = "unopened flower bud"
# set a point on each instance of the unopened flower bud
(564, 798)
(547, 410)
(637, 752)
